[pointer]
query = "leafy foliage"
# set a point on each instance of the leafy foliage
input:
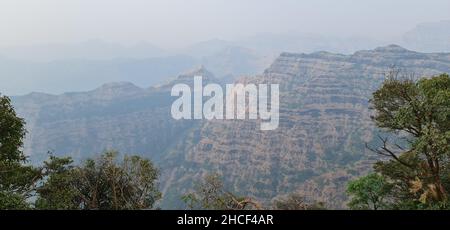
(417, 172)
(12, 132)
(296, 201)
(16, 179)
(103, 183)
(99, 184)
(210, 194)
(369, 192)
(57, 191)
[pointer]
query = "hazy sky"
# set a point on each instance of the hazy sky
(176, 23)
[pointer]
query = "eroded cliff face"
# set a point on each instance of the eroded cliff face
(119, 116)
(324, 125)
(317, 148)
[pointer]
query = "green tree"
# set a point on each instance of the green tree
(210, 194)
(103, 183)
(57, 190)
(16, 179)
(369, 192)
(418, 114)
(10, 200)
(12, 132)
(296, 201)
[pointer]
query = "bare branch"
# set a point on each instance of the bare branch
(385, 151)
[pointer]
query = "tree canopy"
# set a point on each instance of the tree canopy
(102, 183)
(416, 164)
(16, 179)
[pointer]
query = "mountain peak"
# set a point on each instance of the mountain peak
(188, 77)
(392, 48)
(118, 85)
(197, 71)
(118, 88)
(114, 89)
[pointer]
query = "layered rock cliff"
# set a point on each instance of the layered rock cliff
(324, 125)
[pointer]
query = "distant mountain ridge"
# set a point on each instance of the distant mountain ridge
(429, 37)
(59, 67)
(23, 76)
